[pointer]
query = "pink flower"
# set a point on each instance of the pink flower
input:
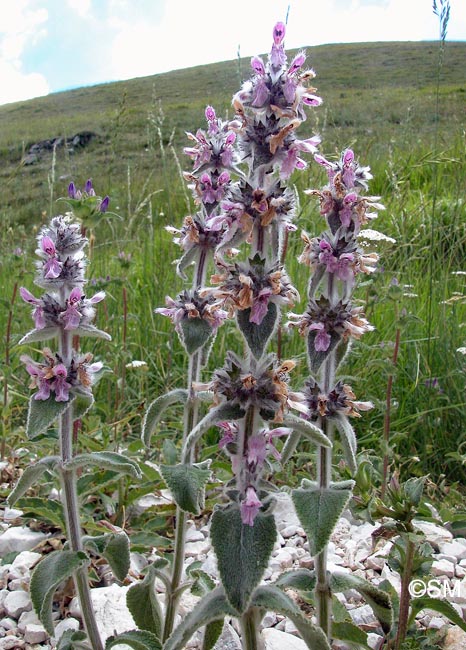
(72, 316)
(260, 306)
(38, 313)
(250, 507)
(230, 431)
(60, 385)
(323, 339)
(257, 449)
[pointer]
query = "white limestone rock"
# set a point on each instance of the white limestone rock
(17, 602)
(276, 640)
(111, 612)
(19, 538)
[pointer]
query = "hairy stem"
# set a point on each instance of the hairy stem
(250, 634)
(71, 506)
(190, 420)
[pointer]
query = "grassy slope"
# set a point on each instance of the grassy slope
(379, 98)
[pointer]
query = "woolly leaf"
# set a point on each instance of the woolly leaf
(106, 460)
(439, 605)
(226, 411)
(351, 633)
(318, 510)
(73, 640)
(270, 598)
(186, 260)
(195, 332)
(30, 475)
(306, 428)
(53, 569)
(317, 357)
(91, 331)
(202, 584)
(187, 484)
(81, 405)
(257, 336)
(141, 600)
(289, 447)
(43, 334)
(114, 547)
(212, 633)
(379, 600)
(348, 440)
(242, 551)
(136, 639)
(156, 409)
(42, 413)
(303, 580)
(213, 607)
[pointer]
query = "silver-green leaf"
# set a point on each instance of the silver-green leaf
(135, 639)
(187, 484)
(242, 551)
(53, 569)
(307, 429)
(157, 408)
(271, 598)
(318, 510)
(106, 460)
(213, 607)
(141, 600)
(114, 547)
(30, 476)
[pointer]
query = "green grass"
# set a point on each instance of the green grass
(380, 99)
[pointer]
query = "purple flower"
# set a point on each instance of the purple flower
(257, 450)
(322, 340)
(104, 204)
(230, 431)
(38, 313)
(60, 385)
(250, 506)
(72, 316)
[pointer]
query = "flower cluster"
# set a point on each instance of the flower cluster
(330, 322)
(340, 399)
(63, 309)
(190, 305)
(53, 376)
(253, 285)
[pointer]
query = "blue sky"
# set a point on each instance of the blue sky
(52, 45)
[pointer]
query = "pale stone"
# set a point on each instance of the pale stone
(436, 535)
(69, 623)
(443, 568)
(16, 603)
(363, 615)
(35, 633)
(27, 618)
(23, 563)
(284, 512)
(111, 612)
(460, 571)
(289, 531)
(19, 538)
(436, 623)
(374, 641)
(455, 639)
(194, 549)
(276, 640)
(228, 640)
(8, 623)
(455, 548)
(11, 643)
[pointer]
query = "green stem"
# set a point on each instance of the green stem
(404, 594)
(250, 634)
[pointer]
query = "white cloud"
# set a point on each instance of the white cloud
(80, 7)
(22, 25)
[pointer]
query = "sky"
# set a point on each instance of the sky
(52, 45)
